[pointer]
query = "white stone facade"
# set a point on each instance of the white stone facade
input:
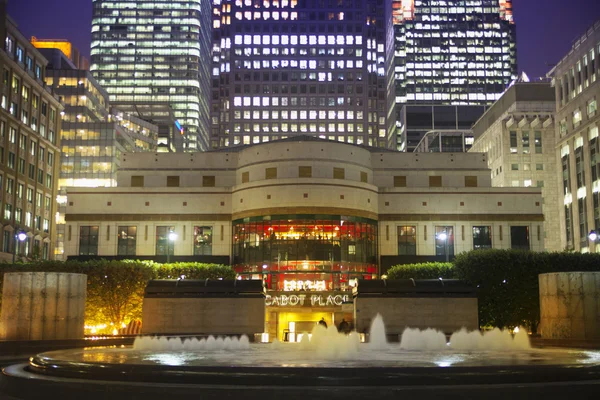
(216, 188)
(576, 79)
(517, 134)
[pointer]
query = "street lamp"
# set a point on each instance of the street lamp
(593, 236)
(444, 236)
(171, 238)
(19, 237)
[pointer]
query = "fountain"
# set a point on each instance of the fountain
(324, 363)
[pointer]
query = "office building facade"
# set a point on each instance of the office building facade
(307, 216)
(416, 121)
(517, 134)
(65, 47)
(576, 79)
(93, 135)
(454, 52)
(284, 68)
(29, 126)
(154, 57)
(446, 141)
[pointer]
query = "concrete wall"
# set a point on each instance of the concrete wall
(213, 315)
(42, 306)
(445, 314)
(569, 305)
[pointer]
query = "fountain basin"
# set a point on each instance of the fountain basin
(268, 371)
(325, 364)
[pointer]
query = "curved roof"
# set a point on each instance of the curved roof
(302, 138)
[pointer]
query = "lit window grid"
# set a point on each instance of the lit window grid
(148, 52)
(472, 62)
(222, 53)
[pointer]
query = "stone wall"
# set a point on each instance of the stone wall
(569, 306)
(443, 313)
(205, 315)
(42, 306)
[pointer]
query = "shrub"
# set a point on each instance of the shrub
(507, 281)
(115, 289)
(431, 270)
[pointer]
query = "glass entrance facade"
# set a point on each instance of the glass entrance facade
(305, 252)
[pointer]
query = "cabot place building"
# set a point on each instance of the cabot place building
(307, 216)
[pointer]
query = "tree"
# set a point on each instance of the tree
(116, 291)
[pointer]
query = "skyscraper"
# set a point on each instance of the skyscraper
(453, 52)
(148, 55)
(285, 68)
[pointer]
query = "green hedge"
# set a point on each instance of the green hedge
(115, 289)
(432, 270)
(507, 280)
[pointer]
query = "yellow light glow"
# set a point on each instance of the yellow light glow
(63, 45)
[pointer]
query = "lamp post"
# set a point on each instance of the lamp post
(19, 237)
(593, 236)
(444, 236)
(172, 237)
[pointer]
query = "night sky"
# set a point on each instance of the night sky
(545, 28)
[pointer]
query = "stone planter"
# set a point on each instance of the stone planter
(570, 305)
(42, 306)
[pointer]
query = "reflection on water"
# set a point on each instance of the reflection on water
(448, 360)
(292, 355)
(590, 357)
(173, 359)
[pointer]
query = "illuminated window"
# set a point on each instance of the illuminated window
(126, 240)
(88, 240)
(407, 240)
(591, 107)
(203, 236)
(576, 117)
(164, 245)
(482, 237)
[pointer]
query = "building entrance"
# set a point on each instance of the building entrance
(293, 325)
(289, 318)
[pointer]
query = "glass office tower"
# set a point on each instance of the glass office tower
(147, 53)
(452, 52)
(285, 68)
